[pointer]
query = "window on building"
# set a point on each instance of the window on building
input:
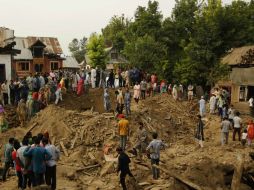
(37, 52)
(38, 68)
(54, 65)
(243, 93)
(114, 55)
(23, 66)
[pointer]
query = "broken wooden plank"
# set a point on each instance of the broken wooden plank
(235, 185)
(74, 140)
(86, 173)
(88, 167)
(32, 127)
(64, 149)
(179, 178)
(91, 156)
(82, 133)
(53, 141)
(144, 183)
(147, 124)
(109, 117)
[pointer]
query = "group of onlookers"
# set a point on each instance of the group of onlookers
(219, 103)
(34, 160)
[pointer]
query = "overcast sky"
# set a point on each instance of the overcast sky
(68, 19)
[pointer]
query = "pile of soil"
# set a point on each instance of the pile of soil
(87, 101)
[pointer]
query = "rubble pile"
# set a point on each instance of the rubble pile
(11, 117)
(88, 139)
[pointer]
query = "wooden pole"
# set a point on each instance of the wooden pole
(64, 149)
(32, 127)
(235, 185)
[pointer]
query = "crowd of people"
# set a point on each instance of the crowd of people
(34, 159)
(219, 103)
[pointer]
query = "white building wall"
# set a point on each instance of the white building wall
(6, 60)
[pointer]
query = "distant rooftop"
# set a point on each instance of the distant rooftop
(235, 57)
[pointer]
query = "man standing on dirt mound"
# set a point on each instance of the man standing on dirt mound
(123, 166)
(124, 132)
(154, 150)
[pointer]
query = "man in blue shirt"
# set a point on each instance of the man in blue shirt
(154, 149)
(39, 157)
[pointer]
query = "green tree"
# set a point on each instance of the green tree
(96, 51)
(114, 32)
(77, 48)
(145, 53)
(203, 51)
(147, 21)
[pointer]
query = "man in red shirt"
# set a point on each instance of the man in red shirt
(17, 163)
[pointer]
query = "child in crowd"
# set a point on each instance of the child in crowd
(244, 137)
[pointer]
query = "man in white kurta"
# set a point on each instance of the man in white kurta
(212, 103)
(174, 93)
(93, 77)
(202, 106)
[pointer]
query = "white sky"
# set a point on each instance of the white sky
(68, 19)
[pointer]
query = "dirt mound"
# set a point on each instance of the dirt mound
(86, 101)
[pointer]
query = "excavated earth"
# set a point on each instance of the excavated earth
(87, 138)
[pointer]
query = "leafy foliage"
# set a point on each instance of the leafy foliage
(96, 51)
(77, 48)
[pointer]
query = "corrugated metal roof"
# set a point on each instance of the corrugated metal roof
(52, 44)
(235, 57)
(70, 62)
(24, 44)
(21, 44)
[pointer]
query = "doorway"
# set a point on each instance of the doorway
(250, 92)
(38, 68)
(2, 73)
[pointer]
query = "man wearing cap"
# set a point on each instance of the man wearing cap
(123, 166)
(123, 128)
